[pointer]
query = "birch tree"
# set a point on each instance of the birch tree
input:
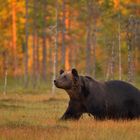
(14, 37)
(63, 33)
(26, 45)
(129, 37)
(34, 46)
(5, 70)
(44, 47)
(88, 37)
(55, 50)
(119, 47)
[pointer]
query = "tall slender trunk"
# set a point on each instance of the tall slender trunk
(34, 78)
(108, 60)
(50, 55)
(44, 47)
(112, 67)
(88, 38)
(129, 36)
(63, 33)
(5, 71)
(129, 61)
(37, 59)
(68, 28)
(94, 48)
(107, 70)
(44, 58)
(119, 45)
(34, 75)
(55, 51)
(14, 37)
(73, 56)
(26, 47)
(136, 42)
(88, 49)
(67, 63)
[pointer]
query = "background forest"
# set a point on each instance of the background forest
(100, 38)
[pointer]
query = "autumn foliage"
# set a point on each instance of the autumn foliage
(87, 35)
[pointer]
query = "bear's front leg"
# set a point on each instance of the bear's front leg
(70, 115)
(73, 112)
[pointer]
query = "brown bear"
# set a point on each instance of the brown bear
(104, 100)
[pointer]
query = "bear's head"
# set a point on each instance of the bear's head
(67, 80)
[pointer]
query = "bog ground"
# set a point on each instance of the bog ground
(35, 117)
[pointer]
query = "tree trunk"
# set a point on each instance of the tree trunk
(37, 60)
(67, 63)
(63, 34)
(50, 55)
(88, 39)
(34, 78)
(5, 70)
(14, 37)
(44, 58)
(55, 51)
(130, 46)
(130, 72)
(73, 55)
(94, 49)
(44, 47)
(108, 60)
(88, 50)
(26, 47)
(93, 13)
(112, 67)
(137, 42)
(34, 75)
(119, 45)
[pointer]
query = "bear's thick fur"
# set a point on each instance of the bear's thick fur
(104, 100)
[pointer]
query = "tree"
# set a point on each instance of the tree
(91, 42)
(130, 36)
(55, 61)
(5, 69)
(119, 47)
(63, 33)
(44, 47)
(95, 16)
(14, 37)
(26, 45)
(88, 38)
(34, 68)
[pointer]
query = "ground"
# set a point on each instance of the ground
(35, 117)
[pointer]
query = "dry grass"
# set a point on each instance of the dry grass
(35, 117)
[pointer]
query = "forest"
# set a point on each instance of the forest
(98, 37)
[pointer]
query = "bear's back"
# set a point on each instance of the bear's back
(122, 89)
(124, 86)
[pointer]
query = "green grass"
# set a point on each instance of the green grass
(16, 86)
(35, 117)
(33, 114)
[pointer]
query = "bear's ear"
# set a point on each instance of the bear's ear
(75, 74)
(61, 71)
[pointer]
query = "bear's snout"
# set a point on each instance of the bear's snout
(56, 83)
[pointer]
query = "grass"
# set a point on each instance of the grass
(32, 114)
(35, 117)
